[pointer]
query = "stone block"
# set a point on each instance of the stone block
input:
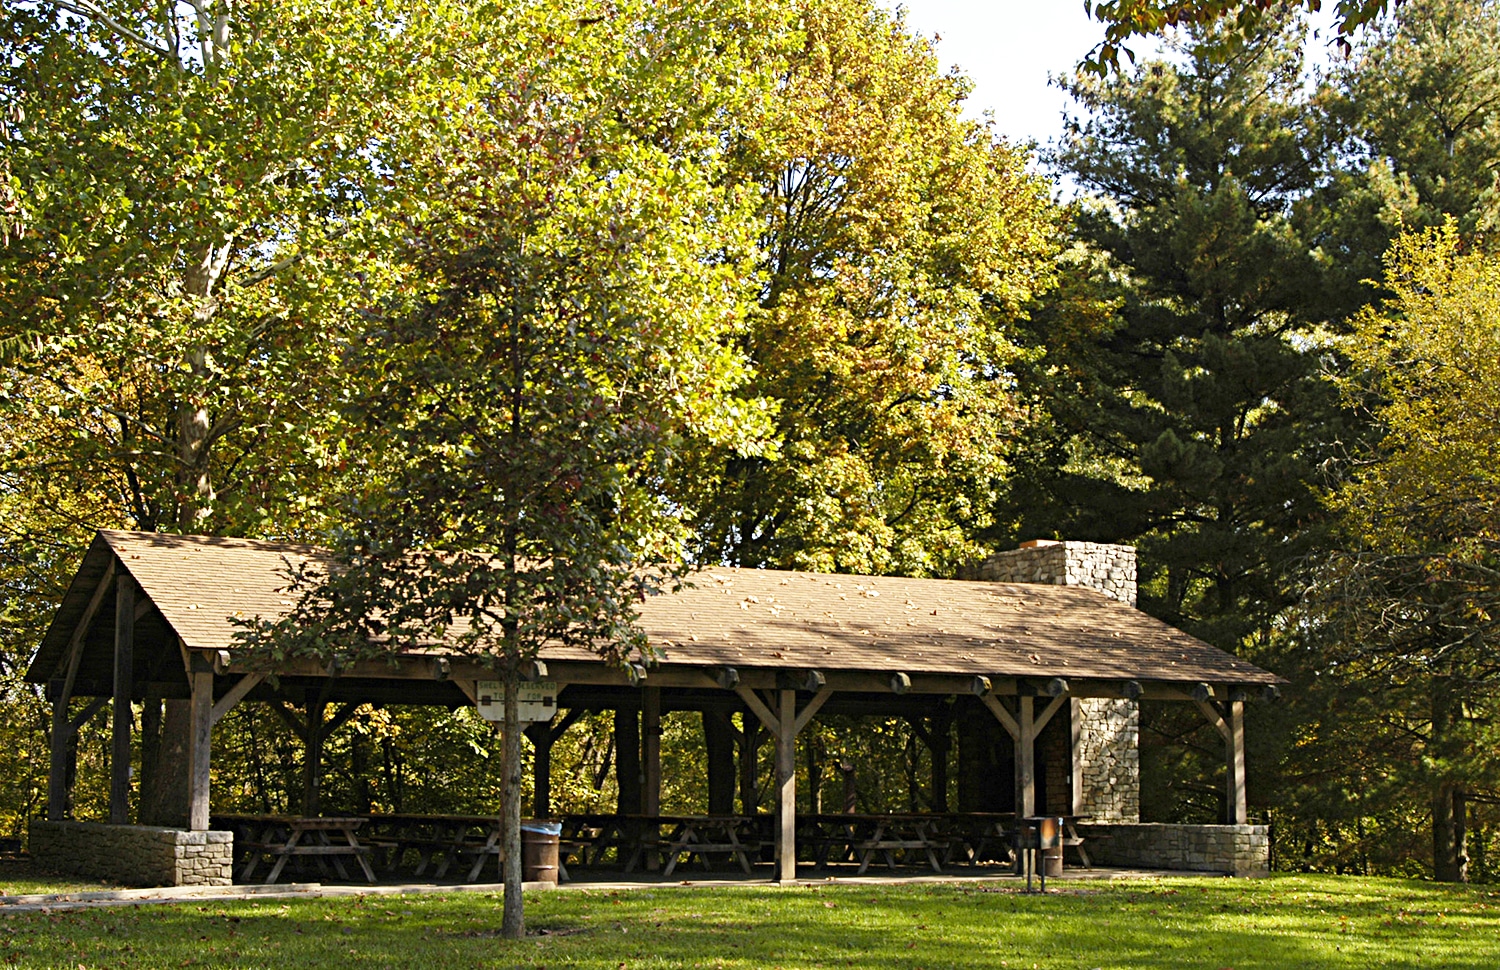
(1235, 849)
(136, 855)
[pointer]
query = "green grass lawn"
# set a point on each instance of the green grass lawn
(1284, 921)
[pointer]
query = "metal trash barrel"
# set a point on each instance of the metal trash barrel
(539, 839)
(1051, 831)
(1037, 839)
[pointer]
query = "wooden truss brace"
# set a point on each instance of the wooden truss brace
(63, 728)
(1023, 730)
(785, 724)
(235, 694)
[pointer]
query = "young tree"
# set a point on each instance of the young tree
(899, 241)
(1411, 598)
(574, 269)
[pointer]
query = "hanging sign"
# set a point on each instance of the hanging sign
(538, 701)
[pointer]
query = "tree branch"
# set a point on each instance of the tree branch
(90, 11)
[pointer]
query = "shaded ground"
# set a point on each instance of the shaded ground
(1282, 921)
(19, 877)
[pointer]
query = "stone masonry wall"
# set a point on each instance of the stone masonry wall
(1097, 565)
(1109, 757)
(1054, 760)
(1240, 850)
(1108, 751)
(136, 855)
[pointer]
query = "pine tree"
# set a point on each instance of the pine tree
(1181, 407)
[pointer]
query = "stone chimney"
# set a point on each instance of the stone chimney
(1098, 565)
(1105, 746)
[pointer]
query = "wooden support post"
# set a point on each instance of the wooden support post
(545, 736)
(628, 761)
(58, 779)
(651, 750)
(785, 723)
(201, 713)
(1075, 757)
(1229, 720)
(57, 771)
(1238, 803)
(1026, 759)
(119, 759)
(540, 735)
(786, 786)
(718, 749)
(312, 763)
(651, 761)
(940, 745)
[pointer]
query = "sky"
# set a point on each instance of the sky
(1007, 48)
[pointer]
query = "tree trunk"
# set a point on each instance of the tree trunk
(814, 774)
(164, 789)
(312, 763)
(851, 788)
(628, 762)
(150, 782)
(359, 767)
(718, 743)
(513, 922)
(941, 736)
(749, 765)
(1447, 844)
(195, 493)
(1447, 838)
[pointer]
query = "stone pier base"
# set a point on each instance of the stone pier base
(136, 855)
(1240, 850)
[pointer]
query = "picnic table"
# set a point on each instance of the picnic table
(862, 837)
(675, 837)
(591, 835)
(705, 835)
(326, 840)
(441, 839)
(971, 836)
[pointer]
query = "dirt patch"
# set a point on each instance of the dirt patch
(532, 933)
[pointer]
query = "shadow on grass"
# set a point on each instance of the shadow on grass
(1300, 921)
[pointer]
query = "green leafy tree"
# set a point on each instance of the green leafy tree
(1182, 398)
(185, 181)
(185, 193)
(899, 241)
(574, 269)
(1411, 598)
(1128, 19)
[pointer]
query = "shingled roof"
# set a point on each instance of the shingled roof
(745, 618)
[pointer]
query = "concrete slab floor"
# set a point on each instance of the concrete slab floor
(594, 882)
